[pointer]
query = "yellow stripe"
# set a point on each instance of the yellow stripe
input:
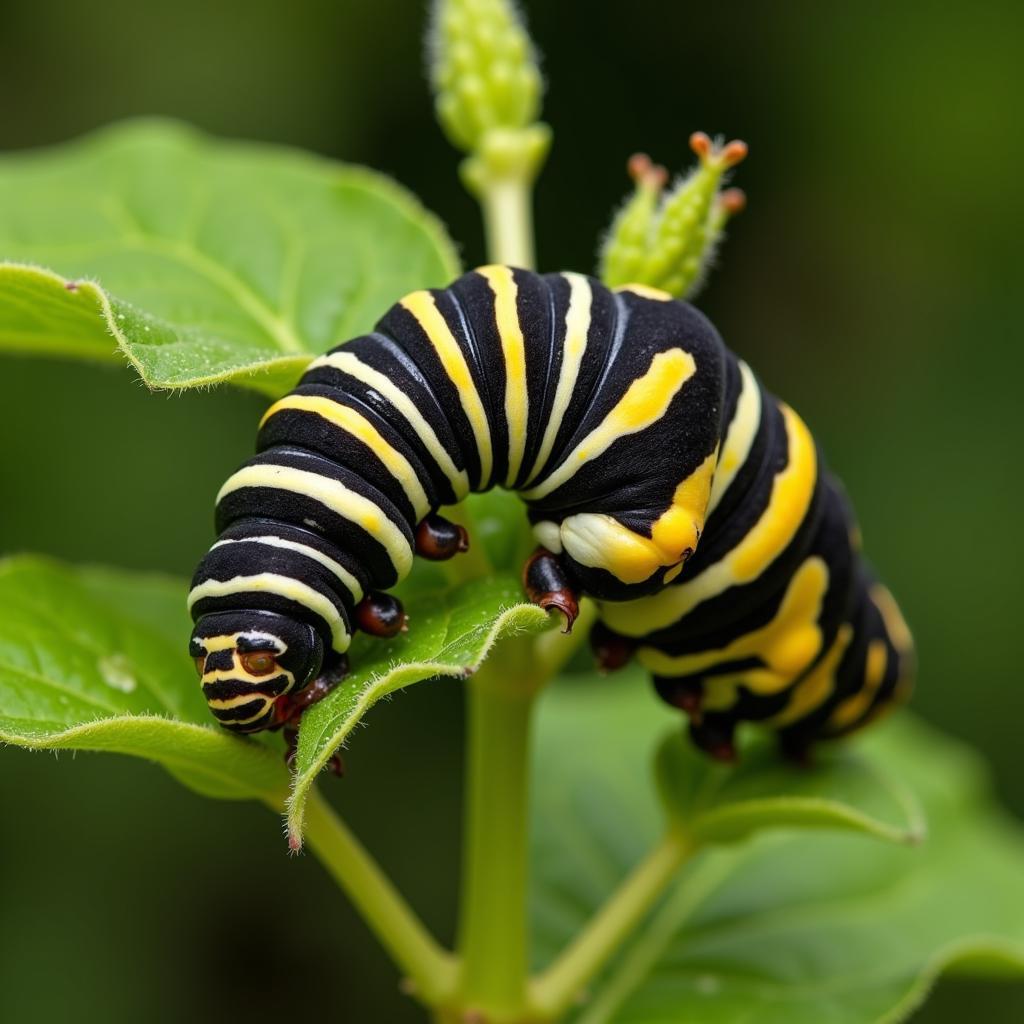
(646, 291)
(902, 639)
(854, 707)
(244, 698)
(238, 674)
(645, 402)
(348, 363)
(354, 423)
(814, 689)
(335, 496)
(517, 398)
(601, 541)
(787, 644)
(791, 495)
(739, 438)
(679, 527)
(577, 328)
(282, 586)
(267, 702)
(895, 624)
(347, 580)
(226, 641)
(422, 306)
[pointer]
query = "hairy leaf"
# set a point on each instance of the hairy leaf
(93, 659)
(203, 261)
(450, 633)
(789, 926)
(43, 314)
(96, 659)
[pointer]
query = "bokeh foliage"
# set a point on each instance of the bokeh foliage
(873, 282)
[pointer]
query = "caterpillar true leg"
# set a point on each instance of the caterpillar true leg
(685, 694)
(796, 749)
(715, 734)
(715, 739)
(382, 615)
(661, 479)
(438, 539)
(547, 585)
(289, 709)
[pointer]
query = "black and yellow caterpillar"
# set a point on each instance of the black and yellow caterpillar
(660, 477)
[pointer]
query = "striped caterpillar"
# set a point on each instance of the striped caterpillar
(659, 476)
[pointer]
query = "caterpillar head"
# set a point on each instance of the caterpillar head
(248, 659)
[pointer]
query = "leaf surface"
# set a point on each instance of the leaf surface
(828, 925)
(203, 261)
(727, 803)
(93, 659)
(451, 632)
(96, 659)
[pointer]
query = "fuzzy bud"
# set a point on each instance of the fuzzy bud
(483, 70)
(666, 240)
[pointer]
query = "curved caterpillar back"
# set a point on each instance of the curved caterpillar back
(660, 478)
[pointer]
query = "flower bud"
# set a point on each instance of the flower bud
(667, 241)
(625, 249)
(483, 70)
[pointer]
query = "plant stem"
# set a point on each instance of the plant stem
(493, 927)
(508, 220)
(555, 991)
(641, 958)
(430, 968)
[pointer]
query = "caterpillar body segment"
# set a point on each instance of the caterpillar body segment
(659, 476)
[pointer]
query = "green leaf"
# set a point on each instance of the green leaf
(718, 803)
(203, 261)
(93, 659)
(451, 631)
(792, 925)
(43, 314)
(97, 659)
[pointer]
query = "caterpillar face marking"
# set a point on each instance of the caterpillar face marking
(660, 478)
(248, 660)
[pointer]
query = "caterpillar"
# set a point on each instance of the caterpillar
(659, 476)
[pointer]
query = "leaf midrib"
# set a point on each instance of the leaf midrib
(279, 329)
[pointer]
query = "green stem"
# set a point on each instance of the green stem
(493, 927)
(556, 990)
(430, 969)
(639, 961)
(508, 220)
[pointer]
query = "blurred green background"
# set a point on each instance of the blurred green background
(873, 281)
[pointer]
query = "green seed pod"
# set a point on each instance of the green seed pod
(670, 247)
(483, 69)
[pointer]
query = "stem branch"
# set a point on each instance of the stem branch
(640, 959)
(555, 991)
(508, 220)
(430, 968)
(493, 928)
